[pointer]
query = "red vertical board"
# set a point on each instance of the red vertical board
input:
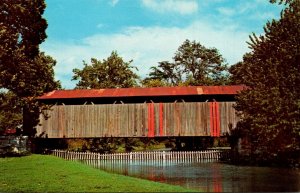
(149, 120)
(161, 119)
(215, 119)
(153, 120)
(218, 130)
(211, 118)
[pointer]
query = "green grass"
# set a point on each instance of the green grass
(41, 173)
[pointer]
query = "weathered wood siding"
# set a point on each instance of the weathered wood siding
(138, 120)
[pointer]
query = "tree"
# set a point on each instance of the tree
(110, 73)
(10, 111)
(25, 71)
(193, 65)
(22, 30)
(166, 72)
(150, 82)
(271, 105)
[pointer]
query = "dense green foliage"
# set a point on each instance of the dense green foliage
(154, 82)
(271, 104)
(24, 71)
(110, 73)
(37, 173)
(10, 111)
(193, 64)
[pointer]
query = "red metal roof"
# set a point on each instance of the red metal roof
(137, 92)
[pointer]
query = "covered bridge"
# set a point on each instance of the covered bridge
(139, 112)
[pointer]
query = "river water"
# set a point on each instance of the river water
(207, 176)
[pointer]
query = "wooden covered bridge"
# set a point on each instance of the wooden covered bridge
(139, 112)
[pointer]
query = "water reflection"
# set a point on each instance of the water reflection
(207, 176)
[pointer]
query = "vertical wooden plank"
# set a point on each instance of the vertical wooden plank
(66, 126)
(110, 117)
(151, 120)
(166, 114)
(173, 119)
(128, 121)
(107, 115)
(141, 120)
(104, 133)
(182, 118)
(112, 120)
(69, 122)
(193, 119)
(100, 120)
(206, 114)
(89, 120)
(62, 122)
(136, 118)
(56, 124)
(122, 124)
(199, 122)
(144, 119)
(119, 119)
(161, 118)
(176, 120)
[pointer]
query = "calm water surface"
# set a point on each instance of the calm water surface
(209, 176)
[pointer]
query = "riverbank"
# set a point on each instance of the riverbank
(42, 173)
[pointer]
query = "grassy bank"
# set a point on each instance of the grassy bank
(41, 173)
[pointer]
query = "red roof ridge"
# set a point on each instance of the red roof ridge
(139, 91)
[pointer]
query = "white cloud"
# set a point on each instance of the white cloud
(100, 25)
(114, 2)
(145, 45)
(177, 6)
(226, 11)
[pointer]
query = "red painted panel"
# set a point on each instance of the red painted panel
(214, 116)
(218, 131)
(214, 113)
(215, 119)
(149, 119)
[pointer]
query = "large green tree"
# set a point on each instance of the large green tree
(10, 111)
(271, 105)
(25, 71)
(113, 72)
(193, 64)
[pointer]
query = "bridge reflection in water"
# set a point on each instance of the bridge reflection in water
(171, 172)
(207, 175)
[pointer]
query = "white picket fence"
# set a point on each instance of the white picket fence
(148, 155)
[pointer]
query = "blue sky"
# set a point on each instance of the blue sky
(148, 31)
